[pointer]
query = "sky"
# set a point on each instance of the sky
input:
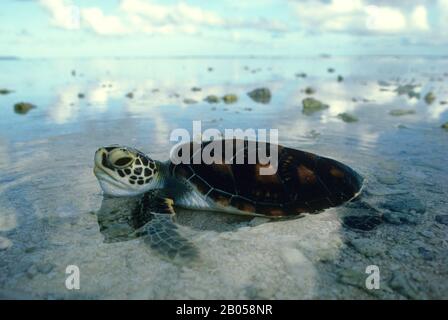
(144, 28)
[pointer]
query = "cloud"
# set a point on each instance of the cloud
(384, 19)
(147, 17)
(102, 24)
(443, 13)
(419, 18)
(179, 14)
(63, 13)
(359, 17)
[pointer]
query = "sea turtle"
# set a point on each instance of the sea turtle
(303, 183)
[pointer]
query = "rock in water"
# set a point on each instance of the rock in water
(130, 95)
(401, 112)
(230, 98)
(23, 107)
(445, 126)
(260, 95)
(5, 91)
(347, 117)
(430, 97)
(409, 90)
(212, 99)
(311, 105)
(309, 90)
(340, 78)
(196, 89)
(189, 101)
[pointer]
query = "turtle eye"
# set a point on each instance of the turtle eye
(123, 162)
(120, 158)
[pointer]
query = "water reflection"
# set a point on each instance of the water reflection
(48, 192)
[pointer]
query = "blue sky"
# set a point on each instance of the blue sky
(129, 28)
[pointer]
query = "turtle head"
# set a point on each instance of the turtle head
(123, 171)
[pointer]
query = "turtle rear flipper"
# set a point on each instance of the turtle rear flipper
(160, 232)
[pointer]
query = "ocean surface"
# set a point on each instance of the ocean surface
(52, 211)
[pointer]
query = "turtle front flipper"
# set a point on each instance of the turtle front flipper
(159, 230)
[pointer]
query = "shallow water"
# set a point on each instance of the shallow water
(51, 204)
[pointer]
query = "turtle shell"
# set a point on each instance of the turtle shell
(303, 182)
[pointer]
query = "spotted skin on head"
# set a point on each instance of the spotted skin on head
(124, 171)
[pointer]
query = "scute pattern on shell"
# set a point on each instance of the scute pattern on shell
(304, 182)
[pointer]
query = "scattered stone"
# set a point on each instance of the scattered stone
(362, 222)
(330, 70)
(23, 107)
(230, 98)
(260, 95)
(443, 102)
(196, 89)
(366, 247)
(310, 90)
(383, 83)
(248, 109)
(347, 117)
(190, 101)
(445, 126)
(311, 105)
(442, 219)
(209, 69)
(130, 95)
(409, 90)
(81, 95)
(340, 78)
(401, 112)
(5, 91)
(73, 73)
(301, 75)
(212, 99)
(5, 243)
(430, 98)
